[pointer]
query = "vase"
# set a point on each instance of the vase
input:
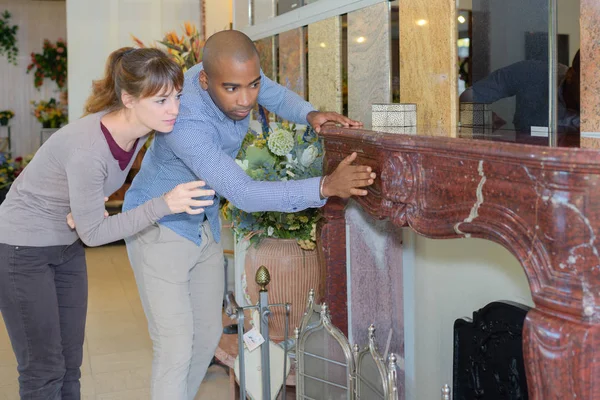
(293, 271)
(49, 124)
(3, 121)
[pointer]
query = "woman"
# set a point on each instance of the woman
(43, 279)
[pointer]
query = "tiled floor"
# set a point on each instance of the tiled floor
(117, 351)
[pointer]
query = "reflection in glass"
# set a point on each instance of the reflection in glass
(504, 62)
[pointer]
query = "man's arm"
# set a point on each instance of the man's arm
(282, 101)
(502, 83)
(194, 143)
(292, 107)
(86, 174)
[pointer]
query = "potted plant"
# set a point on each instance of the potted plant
(186, 49)
(286, 243)
(51, 63)
(51, 113)
(6, 116)
(8, 38)
(9, 171)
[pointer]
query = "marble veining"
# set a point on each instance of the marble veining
(475, 210)
(369, 60)
(325, 64)
(429, 77)
(265, 49)
(590, 62)
(292, 60)
(376, 293)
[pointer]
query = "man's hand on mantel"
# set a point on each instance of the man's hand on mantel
(317, 119)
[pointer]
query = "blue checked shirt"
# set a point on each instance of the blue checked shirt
(203, 145)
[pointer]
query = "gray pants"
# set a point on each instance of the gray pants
(43, 299)
(181, 288)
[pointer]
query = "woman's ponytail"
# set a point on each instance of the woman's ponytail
(104, 94)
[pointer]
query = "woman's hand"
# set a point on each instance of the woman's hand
(182, 198)
(71, 221)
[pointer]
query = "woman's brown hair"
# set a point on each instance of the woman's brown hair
(140, 72)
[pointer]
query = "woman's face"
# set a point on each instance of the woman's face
(158, 112)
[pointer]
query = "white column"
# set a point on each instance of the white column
(219, 16)
(95, 29)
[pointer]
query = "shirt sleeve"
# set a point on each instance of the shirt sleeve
(86, 174)
(195, 143)
(283, 101)
(504, 82)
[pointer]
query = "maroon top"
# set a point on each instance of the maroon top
(122, 156)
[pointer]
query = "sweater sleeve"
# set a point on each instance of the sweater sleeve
(86, 174)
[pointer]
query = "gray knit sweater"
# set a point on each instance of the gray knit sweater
(72, 172)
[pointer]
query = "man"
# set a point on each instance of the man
(528, 81)
(178, 264)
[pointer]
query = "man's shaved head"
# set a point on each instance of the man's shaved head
(231, 73)
(227, 46)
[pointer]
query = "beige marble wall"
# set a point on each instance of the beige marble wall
(428, 70)
(590, 73)
(369, 60)
(292, 60)
(325, 64)
(266, 50)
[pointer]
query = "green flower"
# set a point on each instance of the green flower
(281, 142)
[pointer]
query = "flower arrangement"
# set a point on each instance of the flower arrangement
(186, 49)
(6, 116)
(10, 169)
(51, 63)
(278, 153)
(51, 113)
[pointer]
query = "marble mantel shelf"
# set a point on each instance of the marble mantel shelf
(542, 204)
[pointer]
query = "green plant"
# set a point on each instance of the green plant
(8, 38)
(279, 154)
(51, 63)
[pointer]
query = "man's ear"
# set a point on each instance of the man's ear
(127, 99)
(203, 80)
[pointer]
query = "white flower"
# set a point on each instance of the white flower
(281, 142)
(242, 164)
(270, 231)
(309, 155)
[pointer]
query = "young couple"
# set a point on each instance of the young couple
(170, 217)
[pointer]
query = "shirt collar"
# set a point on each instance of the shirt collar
(211, 106)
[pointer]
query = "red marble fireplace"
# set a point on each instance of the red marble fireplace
(542, 204)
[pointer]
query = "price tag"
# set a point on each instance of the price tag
(253, 339)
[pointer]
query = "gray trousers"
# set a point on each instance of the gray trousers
(181, 288)
(43, 299)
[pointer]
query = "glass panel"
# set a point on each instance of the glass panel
(321, 391)
(504, 62)
(368, 372)
(567, 43)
